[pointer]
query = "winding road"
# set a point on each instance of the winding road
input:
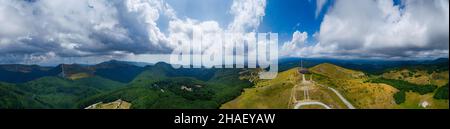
(299, 104)
(346, 102)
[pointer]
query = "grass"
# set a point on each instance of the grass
(266, 94)
(78, 76)
(336, 72)
(328, 97)
(421, 87)
(353, 86)
(161, 88)
(406, 86)
(276, 93)
(421, 77)
(413, 101)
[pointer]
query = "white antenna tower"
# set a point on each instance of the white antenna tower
(301, 63)
(14, 57)
(62, 69)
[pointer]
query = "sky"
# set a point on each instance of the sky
(91, 31)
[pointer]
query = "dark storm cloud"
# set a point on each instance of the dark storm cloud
(76, 28)
(49, 29)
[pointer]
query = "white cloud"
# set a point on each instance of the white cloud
(103, 28)
(79, 27)
(319, 6)
(182, 30)
(380, 29)
(248, 15)
(291, 48)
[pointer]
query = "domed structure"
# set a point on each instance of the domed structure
(303, 70)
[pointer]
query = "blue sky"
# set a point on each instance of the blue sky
(282, 17)
(287, 16)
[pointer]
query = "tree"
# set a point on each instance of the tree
(400, 97)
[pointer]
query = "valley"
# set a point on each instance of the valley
(152, 86)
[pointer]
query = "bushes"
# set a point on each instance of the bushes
(400, 97)
(168, 93)
(442, 92)
(403, 86)
(406, 86)
(196, 93)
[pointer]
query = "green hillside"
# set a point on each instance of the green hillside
(266, 94)
(363, 91)
(156, 86)
(161, 86)
(336, 72)
(154, 89)
(53, 92)
(11, 97)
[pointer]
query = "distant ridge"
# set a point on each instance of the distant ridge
(122, 71)
(367, 66)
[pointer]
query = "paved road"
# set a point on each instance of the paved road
(299, 104)
(307, 100)
(348, 104)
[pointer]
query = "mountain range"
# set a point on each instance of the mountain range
(161, 86)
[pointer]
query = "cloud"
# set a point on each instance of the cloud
(319, 6)
(380, 29)
(105, 28)
(248, 14)
(182, 30)
(81, 27)
(298, 41)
